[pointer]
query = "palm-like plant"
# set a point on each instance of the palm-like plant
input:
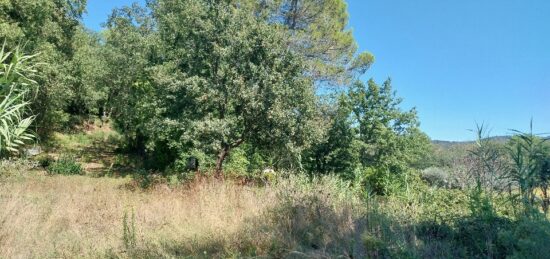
(16, 82)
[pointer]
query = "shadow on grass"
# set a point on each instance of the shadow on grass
(315, 229)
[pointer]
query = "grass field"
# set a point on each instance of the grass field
(78, 216)
(44, 215)
(107, 213)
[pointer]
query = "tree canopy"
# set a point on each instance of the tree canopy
(224, 78)
(318, 31)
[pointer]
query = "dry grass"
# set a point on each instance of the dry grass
(82, 216)
(77, 216)
(45, 216)
(59, 216)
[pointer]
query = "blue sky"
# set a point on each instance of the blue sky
(457, 62)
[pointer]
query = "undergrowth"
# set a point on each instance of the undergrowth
(66, 165)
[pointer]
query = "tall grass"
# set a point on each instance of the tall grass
(294, 216)
(81, 217)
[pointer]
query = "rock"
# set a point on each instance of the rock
(34, 151)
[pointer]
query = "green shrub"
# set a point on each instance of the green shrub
(238, 163)
(65, 165)
(44, 160)
(527, 239)
(436, 176)
(443, 205)
(205, 162)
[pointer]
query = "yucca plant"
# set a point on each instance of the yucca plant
(16, 83)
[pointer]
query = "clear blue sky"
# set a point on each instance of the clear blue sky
(457, 62)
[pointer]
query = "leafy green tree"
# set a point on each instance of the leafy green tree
(41, 24)
(87, 76)
(337, 151)
(390, 142)
(369, 138)
(129, 40)
(388, 134)
(218, 78)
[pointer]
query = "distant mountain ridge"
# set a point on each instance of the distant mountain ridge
(499, 139)
(449, 143)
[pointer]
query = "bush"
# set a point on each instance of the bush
(436, 176)
(443, 205)
(146, 179)
(479, 236)
(65, 165)
(44, 160)
(527, 239)
(237, 164)
(204, 161)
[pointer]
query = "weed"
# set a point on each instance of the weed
(129, 231)
(66, 165)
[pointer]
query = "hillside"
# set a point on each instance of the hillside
(446, 143)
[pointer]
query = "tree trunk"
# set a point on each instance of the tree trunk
(224, 152)
(219, 163)
(545, 200)
(293, 17)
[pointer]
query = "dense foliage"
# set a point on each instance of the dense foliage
(203, 79)
(224, 79)
(219, 81)
(69, 83)
(369, 138)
